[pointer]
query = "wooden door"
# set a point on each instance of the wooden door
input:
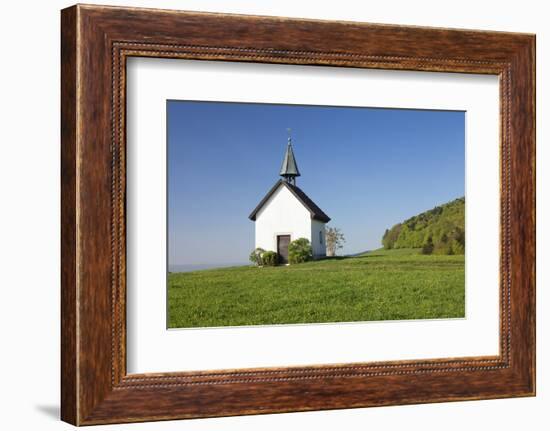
(282, 247)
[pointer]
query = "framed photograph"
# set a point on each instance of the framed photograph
(265, 214)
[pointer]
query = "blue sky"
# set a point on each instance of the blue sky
(367, 168)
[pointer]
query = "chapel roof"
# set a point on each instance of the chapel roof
(316, 212)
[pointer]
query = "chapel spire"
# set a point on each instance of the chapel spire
(289, 168)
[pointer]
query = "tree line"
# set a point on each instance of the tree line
(439, 231)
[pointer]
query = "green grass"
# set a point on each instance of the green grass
(380, 285)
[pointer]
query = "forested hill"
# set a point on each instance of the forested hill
(439, 230)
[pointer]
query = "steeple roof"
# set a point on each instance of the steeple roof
(289, 168)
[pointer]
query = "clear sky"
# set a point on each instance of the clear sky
(367, 168)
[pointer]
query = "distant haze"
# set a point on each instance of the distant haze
(367, 168)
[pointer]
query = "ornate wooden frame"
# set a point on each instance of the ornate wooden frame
(95, 42)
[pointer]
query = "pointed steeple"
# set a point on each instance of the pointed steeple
(289, 168)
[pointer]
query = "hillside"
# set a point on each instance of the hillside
(437, 231)
(379, 285)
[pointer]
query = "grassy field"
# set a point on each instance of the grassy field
(379, 285)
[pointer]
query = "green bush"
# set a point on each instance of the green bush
(270, 258)
(442, 248)
(256, 256)
(428, 246)
(457, 247)
(299, 251)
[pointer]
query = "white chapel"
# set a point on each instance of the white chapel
(286, 213)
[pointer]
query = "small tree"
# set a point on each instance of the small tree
(335, 240)
(300, 251)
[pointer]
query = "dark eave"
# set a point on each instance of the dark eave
(316, 212)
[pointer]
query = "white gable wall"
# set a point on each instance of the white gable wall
(282, 214)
